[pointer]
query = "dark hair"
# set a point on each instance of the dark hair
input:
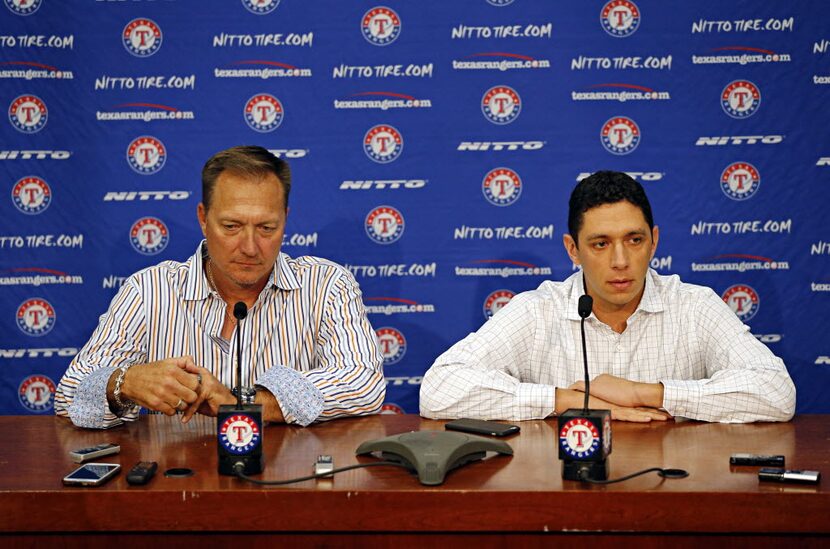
(605, 187)
(248, 160)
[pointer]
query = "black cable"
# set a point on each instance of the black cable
(665, 473)
(585, 363)
(237, 469)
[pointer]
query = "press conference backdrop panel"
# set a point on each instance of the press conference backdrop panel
(434, 145)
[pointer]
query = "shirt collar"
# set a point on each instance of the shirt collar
(284, 276)
(197, 287)
(196, 284)
(650, 303)
(577, 291)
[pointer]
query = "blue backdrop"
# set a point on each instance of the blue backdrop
(434, 145)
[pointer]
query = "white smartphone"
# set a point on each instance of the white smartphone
(92, 474)
(85, 454)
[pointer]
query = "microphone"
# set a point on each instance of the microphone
(586, 303)
(239, 426)
(584, 434)
(240, 311)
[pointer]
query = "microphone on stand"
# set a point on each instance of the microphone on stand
(239, 426)
(586, 303)
(585, 434)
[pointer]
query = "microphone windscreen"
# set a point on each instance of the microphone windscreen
(586, 303)
(240, 310)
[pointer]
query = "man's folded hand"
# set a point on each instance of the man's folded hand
(631, 394)
(164, 386)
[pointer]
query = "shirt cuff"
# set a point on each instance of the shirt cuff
(680, 397)
(90, 408)
(300, 400)
(534, 401)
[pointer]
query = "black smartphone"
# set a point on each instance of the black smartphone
(482, 427)
(92, 474)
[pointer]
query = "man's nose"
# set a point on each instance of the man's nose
(619, 257)
(247, 244)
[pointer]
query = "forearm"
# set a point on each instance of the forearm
(624, 392)
(451, 391)
(87, 384)
(571, 398)
(271, 410)
(288, 396)
(84, 400)
(358, 391)
(733, 397)
(649, 394)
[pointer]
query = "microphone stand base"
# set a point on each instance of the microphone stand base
(252, 465)
(582, 470)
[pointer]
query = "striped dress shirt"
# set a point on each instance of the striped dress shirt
(681, 335)
(306, 339)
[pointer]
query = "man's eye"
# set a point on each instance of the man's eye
(600, 245)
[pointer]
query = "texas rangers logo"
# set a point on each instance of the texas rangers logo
(740, 99)
(142, 37)
(501, 105)
(743, 300)
(260, 7)
(392, 345)
(36, 317)
(579, 438)
(384, 224)
(620, 18)
(501, 186)
(390, 408)
(37, 393)
(28, 113)
(495, 301)
(263, 113)
(383, 143)
(239, 434)
(23, 7)
(31, 195)
(740, 180)
(620, 135)
(149, 235)
(381, 26)
(146, 155)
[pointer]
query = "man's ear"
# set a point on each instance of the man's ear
(655, 236)
(570, 247)
(202, 215)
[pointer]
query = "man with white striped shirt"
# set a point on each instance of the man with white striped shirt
(167, 341)
(662, 348)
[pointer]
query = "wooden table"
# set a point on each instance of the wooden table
(497, 501)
